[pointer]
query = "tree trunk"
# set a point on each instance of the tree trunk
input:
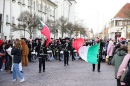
(30, 36)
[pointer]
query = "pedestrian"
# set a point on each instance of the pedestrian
(110, 51)
(117, 60)
(123, 67)
(17, 52)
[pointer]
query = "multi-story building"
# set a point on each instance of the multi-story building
(121, 19)
(47, 9)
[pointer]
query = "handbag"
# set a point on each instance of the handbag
(107, 57)
(123, 75)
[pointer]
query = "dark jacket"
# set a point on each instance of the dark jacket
(17, 55)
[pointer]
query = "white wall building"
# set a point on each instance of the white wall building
(47, 9)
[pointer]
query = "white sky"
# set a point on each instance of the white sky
(96, 13)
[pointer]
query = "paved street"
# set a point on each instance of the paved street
(78, 73)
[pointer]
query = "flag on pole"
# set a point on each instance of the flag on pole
(46, 32)
(89, 53)
(78, 43)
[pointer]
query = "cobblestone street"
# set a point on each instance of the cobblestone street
(78, 73)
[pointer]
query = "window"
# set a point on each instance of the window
(6, 18)
(13, 20)
(28, 3)
(34, 5)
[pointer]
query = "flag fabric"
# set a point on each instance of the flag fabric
(46, 32)
(89, 53)
(78, 43)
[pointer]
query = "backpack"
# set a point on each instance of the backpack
(127, 76)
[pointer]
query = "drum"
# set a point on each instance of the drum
(61, 52)
(75, 51)
(49, 51)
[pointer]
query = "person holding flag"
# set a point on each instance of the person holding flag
(42, 53)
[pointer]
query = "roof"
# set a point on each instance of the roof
(124, 12)
(73, 0)
(69, 2)
(52, 2)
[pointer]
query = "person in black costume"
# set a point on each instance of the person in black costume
(66, 47)
(42, 55)
(99, 56)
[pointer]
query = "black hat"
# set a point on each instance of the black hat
(67, 38)
(123, 42)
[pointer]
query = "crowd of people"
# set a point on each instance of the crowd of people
(17, 53)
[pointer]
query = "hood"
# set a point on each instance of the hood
(122, 51)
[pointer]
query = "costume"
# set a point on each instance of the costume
(25, 52)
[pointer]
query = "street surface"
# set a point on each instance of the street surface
(78, 73)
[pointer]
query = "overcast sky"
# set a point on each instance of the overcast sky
(96, 13)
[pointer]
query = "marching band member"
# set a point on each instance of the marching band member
(66, 47)
(42, 55)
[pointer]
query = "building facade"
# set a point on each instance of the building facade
(120, 20)
(47, 9)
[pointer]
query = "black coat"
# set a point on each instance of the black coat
(17, 55)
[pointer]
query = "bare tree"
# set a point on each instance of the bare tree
(27, 22)
(61, 23)
(70, 29)
(52, 26)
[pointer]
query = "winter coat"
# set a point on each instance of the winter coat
(118, 58)
(110, 49)
(17, 55)
(122, 67)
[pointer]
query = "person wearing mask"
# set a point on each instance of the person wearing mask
(42, 55)
(117, 60)
(17, 52)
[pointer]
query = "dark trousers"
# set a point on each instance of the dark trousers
(7, 62)
(59, 54)
(66, 57)
(10, 62)
(118, 82)
(1, 62)
(99, 60)
(29, 56)
(41, 61)
(72, 54)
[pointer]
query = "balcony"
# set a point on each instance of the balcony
(23, 3)
(13, 1)
(7, 20)
(19, 2)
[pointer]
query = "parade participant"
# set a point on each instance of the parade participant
(59, 45)
(25, 52)
(52, 46)
(17, 52)
(99, 56)
(31, 48)
(42, 55)
(72, 50)
(66, 47)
